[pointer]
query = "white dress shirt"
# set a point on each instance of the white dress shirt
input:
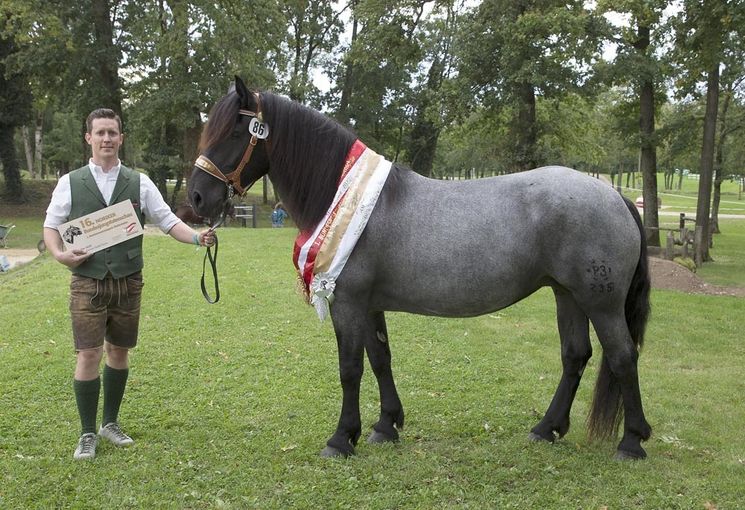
(152, 204)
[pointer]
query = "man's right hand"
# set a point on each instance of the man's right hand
(72, 258)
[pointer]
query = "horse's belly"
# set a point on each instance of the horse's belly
(450, 293)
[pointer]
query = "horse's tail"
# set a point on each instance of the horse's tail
(607, 404)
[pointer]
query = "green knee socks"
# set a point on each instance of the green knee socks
(87, 394)
(114, 382)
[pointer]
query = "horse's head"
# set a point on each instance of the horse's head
(233, 153)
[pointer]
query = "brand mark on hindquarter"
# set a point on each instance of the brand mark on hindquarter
(601, 275)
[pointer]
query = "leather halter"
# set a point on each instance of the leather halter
(233, 179)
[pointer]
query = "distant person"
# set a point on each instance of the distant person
(278, 216)
(106, 286)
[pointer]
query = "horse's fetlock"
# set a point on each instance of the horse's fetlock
(399, 421)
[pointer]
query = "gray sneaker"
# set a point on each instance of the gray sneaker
(113, 433)
(86, 447)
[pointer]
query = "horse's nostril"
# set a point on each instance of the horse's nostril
(196, 199)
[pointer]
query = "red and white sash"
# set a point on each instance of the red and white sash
(320, 254)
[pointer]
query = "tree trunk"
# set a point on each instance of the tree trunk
(526, 128)
(189, 153)
(13, 182)
(707, 163)
(342, 114)
(648, 161)
(39, 146)
(718, 161)
(28, 147)
(425, 133)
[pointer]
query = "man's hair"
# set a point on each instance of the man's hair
(102, 113)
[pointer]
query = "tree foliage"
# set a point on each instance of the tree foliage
(516, 51)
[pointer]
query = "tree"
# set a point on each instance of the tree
(732, 81)
(515, 51)
(314, 28)
(181, 57)
(373, 75)
(435, 98)
(62, 142)
(15, 106)
(701, 31)
(71, 62)
(636, 62)
(679, 135)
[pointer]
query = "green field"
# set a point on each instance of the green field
(675, 201)
(230, 404)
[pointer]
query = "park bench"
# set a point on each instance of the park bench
(4, 231)
(245, 212)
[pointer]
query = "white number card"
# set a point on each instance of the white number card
(258, 129)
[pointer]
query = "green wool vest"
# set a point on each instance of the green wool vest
(124, 258)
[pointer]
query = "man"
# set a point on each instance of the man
(106, 286)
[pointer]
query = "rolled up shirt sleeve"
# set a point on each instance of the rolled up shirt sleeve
(156, 209)
(59, 207)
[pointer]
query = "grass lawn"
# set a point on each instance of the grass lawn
(230, 404)
(684, 200)
(29, 218)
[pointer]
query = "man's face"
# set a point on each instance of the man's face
(104, 139)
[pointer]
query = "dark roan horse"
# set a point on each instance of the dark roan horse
(450, 249)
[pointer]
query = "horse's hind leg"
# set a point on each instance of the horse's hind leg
(575, 352)
(379, 355)
(620, 358)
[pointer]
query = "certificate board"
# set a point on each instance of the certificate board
(101, 229)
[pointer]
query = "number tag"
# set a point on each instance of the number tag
(258, 129)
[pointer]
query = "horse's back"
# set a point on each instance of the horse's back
(460, 248)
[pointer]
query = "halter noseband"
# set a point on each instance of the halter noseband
(233, 179)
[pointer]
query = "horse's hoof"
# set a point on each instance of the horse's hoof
(379, 437)
(537, 438)
(330, 452)
(623, 455)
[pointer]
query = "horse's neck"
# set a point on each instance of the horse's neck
(305, 176)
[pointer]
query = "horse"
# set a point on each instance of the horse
(498, 240)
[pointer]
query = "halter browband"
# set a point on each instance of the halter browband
(233, 179)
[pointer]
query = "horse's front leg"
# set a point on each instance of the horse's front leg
(350, 326)
(379, 355)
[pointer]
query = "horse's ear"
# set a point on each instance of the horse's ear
(242, 91)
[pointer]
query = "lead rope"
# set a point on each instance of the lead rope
(213, 258)
(213, 264)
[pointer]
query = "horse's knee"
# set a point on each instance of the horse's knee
(350, 372)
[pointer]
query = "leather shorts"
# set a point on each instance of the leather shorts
(107, 309)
